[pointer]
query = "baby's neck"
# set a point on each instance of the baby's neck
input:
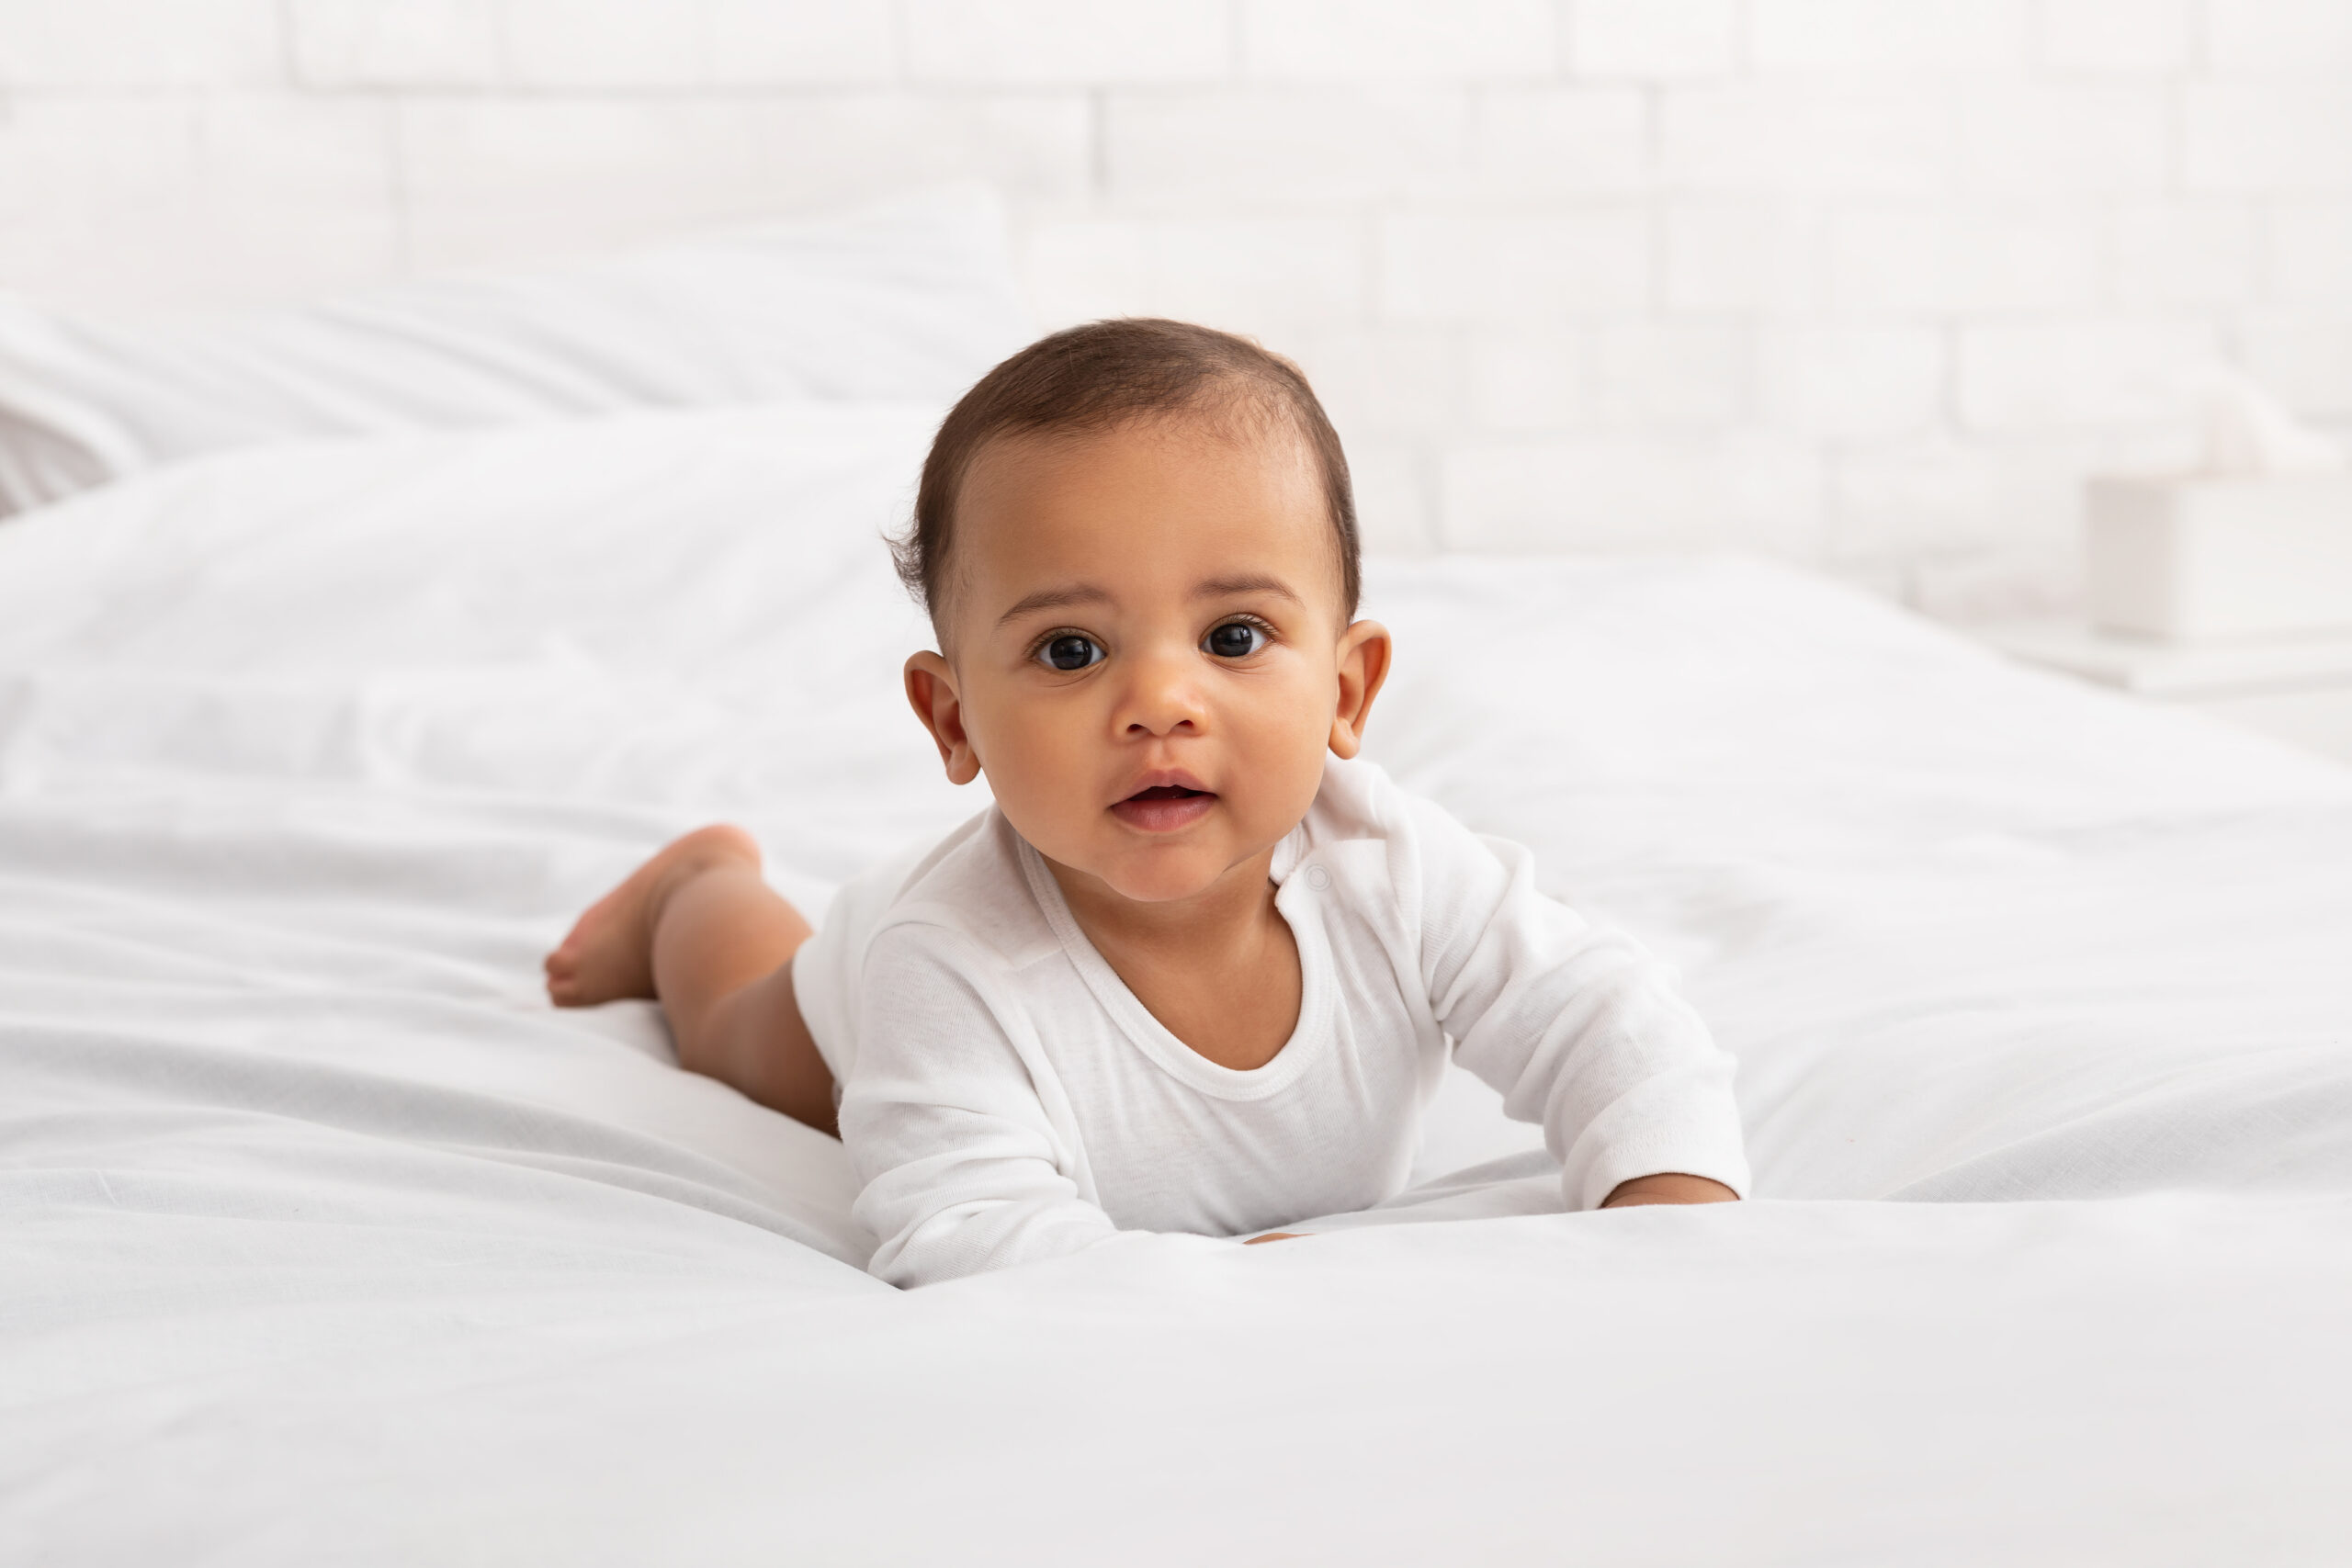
(1218, 969)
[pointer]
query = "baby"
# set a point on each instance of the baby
(1197, 969)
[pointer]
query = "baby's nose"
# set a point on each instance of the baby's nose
(1163, 698)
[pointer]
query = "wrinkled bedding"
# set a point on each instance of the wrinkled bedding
(323, 1238)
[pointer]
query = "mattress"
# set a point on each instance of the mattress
(323, 1238)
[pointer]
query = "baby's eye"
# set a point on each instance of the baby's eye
(1071, 651)
(1235, 639)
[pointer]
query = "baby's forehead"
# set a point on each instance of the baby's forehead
(1036, 495)
(1241, 428)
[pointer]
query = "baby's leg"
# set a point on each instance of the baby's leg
(698, 928)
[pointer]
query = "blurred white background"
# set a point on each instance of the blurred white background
(1868, 284)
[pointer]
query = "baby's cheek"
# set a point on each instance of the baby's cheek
(1284, 750)
(1047, 774)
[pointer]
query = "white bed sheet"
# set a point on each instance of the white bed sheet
(321, 1237)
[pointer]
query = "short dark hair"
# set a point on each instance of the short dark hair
(1100, 376)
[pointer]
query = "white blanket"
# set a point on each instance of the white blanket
(323, 1238)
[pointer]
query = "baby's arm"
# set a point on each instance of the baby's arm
(1580, 1030)
(967, 1166)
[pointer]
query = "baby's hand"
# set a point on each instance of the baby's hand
(1671, 1187)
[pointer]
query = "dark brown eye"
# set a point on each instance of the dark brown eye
(1235, 639)
(1071, 651)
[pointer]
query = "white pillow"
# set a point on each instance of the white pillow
(912, 299)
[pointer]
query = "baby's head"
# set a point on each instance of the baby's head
(1137, 545)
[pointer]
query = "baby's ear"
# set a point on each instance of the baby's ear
(1365, 650)
(930, 692)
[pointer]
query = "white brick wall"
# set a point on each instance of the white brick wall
(1356, 39)
(1798, 136)
(2281, 35)
(2115, 34)
(1064, 42)
(1964, 35)
(1854, 383)
(1483, 267)
(2277, 134)
(2083, 373)
(1870, 283)
(141, 43)
(1647, 39)
(1607, 491)
(2311, 247)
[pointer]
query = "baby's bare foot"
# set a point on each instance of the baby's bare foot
(609, 953)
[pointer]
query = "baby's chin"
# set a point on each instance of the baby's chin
(1164, 871)
(1163, 878)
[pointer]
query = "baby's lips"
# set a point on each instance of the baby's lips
(1166, 778)
(1164, 810)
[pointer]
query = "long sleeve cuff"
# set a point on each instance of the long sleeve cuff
(1683, 1121)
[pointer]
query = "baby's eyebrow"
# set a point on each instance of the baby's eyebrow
(1226, 587)
(1087, 593)
(1056, 599)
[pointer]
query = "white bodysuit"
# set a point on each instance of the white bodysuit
(1006, 1098)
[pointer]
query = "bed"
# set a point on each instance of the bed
(323, 1238)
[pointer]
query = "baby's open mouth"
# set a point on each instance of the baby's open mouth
(1163, 808)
